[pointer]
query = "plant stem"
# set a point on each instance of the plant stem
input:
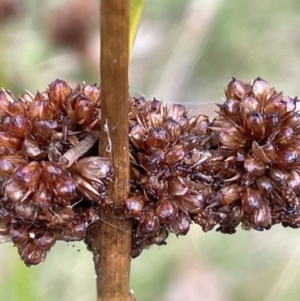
(110, 239)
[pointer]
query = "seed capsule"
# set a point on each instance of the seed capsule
(175, 154)
(45, 241)
(59, 91)
(254, 126)
(181, 224)
(166, 210)
(157, 139)
(28, 175)
(177, 186)
(231, 138)
(260, 89)
(9, 163)
(65, 188)
(14, 191)
(236, 89)
(92, 92)
(230, 194)
(265, 153)
(9, 144)
(254, 166)
(287, 157)
(133, 206)
(43, 198)
(149, 223)
(94, 168)
(26, 210)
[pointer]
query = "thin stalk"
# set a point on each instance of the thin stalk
(110, 240)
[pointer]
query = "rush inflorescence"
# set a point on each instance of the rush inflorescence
(240, 168)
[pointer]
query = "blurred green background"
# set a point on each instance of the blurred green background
(185, 52)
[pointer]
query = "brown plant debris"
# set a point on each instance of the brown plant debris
(240, 168)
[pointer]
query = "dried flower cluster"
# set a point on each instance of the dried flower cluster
(50, 182)
(242, 167)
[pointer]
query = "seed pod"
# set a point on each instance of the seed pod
(260, 89)
(177, 186)
(51, 171)
(84, 111)
(176, 111)
(278, 176)
(43, 198)
(19, 234)
(92, 92)
(148, 224)
(59, 91)
(285, 136)
(254, 126)
(264, 185)
(16, 125)
(9, 163)
(180, 224)
(293, 180)
(254, 166)
(175, 154)
(251, 199)
(231, 138)
(31, 254)
(230, 108)
(198, 125)
(261, 218)
(250, 105)
(275, 104)
(290, 103)
(137, 135)
(192, 202)
(14, 191)
(45, 241)
(28, 175)
(287, 157)
(85, 189)
(65, 188)
(39, 110)
(134, 205)
(153, 185)
(293, 120)
(157, 138)
(230, 194)
(96, 169)
(26, 210)
(9, 144)
(31, 148)
(236, 89)
(150, 161)
(265, 153)
(173, 128)
(166, 210)
(43, 130)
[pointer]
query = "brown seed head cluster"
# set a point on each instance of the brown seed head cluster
(51, 179)
(243, 167)
(240, 168)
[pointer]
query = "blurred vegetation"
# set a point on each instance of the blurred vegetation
(185, 52)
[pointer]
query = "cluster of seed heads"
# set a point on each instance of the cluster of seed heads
(52, 182)
(240, 168)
